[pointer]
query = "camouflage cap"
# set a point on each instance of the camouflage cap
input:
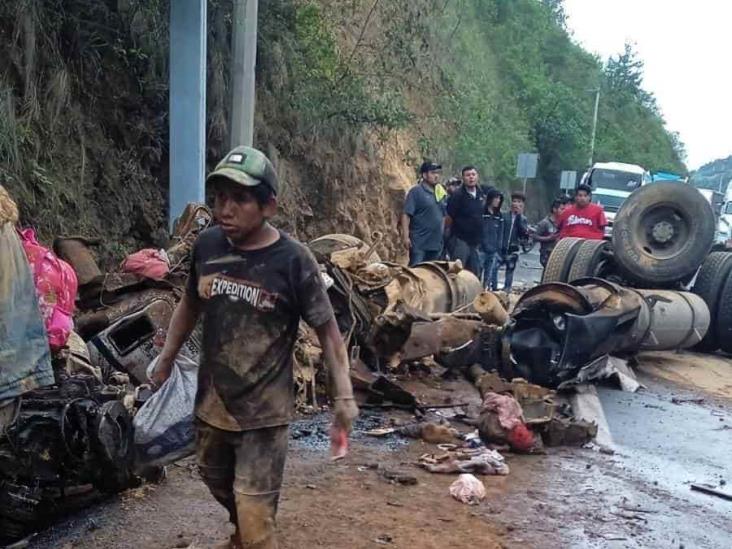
(246, 166)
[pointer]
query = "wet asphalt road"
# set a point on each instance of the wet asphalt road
(661, 448)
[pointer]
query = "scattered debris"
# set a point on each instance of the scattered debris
(480, 461)
(604, 368)
(712, 491)
(563, 431)
(399, 477)
(556, 329)
(397, 321)
(502, 422)
(430, 432)
(690, 400)
(468, 489)
(68, 423)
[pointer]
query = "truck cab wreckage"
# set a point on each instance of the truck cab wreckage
(74, 426)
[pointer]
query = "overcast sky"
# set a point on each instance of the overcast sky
(686, 46)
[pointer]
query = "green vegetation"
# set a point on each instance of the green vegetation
(517, 82)
(478, 81)
(351, 95)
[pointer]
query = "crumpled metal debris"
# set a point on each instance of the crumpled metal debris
(371, 287)
(556, 328)
(405, 334)
(603, 368)
(75, 432)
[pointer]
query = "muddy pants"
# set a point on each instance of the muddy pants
(243, 471)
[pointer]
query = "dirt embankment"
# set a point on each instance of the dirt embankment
(84, 127)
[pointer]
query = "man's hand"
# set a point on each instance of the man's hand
(162, 371)
(344, 407)
(407, 242)
(181, 325)
(344, 412)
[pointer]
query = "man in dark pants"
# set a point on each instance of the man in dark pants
(465, 221)
(251, 284)
(423, 217)
(515, 229)
(492, 243)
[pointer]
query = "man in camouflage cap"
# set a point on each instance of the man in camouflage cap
(251, 283)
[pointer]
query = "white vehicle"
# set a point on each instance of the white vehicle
(612, 183)
(724, 221)
(724, 228)
(724, 225)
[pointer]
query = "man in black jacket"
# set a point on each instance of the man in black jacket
(515, 229)
(464, 221)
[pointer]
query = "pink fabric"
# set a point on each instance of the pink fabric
(147, 262)
(507, 409)
(56, 287)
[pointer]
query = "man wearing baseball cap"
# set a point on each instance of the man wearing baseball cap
(251, 284)
(423, 217)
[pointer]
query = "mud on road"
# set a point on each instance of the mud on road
(637, 497)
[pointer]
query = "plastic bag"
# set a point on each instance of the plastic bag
(148, 262)
(164, 430)
(56, 287)
(468, 489)
(25, 360)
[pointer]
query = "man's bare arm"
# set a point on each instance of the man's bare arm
(181, 325)
(405, 230)
(336, 358)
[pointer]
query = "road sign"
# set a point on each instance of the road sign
(526, 166)
(568, 180)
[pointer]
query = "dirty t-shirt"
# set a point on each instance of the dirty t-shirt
(252, 302)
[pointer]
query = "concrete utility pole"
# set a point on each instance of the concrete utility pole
(244, 60)
(594, 126)
(187, 104)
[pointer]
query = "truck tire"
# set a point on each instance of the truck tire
(709, 284)
(590, 260)
(662, 233)
(560, 260)
(723, 324)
